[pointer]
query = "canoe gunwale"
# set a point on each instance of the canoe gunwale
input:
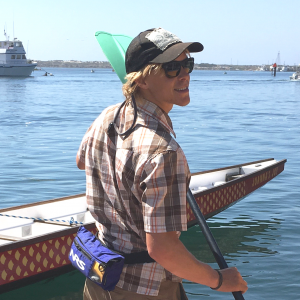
(41, 202)
(235, 166)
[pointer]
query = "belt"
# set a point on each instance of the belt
(141, 257)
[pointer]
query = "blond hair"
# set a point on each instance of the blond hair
(131, 87)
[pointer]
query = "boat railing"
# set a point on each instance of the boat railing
(15, 63)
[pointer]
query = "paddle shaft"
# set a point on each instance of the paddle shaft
(209, 238)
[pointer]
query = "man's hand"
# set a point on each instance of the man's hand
(233, 281)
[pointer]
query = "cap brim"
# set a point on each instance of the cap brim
(175, 50)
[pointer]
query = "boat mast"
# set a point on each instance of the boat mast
(278, 61)
(6, 36)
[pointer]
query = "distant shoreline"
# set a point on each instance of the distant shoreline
(105, 64)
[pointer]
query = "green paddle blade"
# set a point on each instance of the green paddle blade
(114, 47)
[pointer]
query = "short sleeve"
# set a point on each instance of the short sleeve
(165, 182)
(83, 145)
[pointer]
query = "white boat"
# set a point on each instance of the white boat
(13, 61)
(295, 76)
(262, 68)
(35, 239)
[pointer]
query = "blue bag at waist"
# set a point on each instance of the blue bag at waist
(95, 261)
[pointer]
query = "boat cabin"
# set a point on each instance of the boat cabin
(12, 52)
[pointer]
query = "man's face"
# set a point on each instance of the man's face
(165, 92)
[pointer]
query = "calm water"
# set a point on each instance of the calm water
(233, 118)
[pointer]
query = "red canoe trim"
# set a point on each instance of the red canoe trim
(35, 258)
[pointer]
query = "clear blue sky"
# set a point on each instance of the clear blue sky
(232, 31)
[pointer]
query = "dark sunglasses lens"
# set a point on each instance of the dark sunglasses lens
(172, 73)
(189, 65)
(173, 68)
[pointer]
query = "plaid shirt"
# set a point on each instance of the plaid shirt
(135, 185)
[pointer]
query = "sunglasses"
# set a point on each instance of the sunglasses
(173, 68)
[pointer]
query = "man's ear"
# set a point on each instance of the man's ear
(142, 83)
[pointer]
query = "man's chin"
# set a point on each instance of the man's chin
(183, 102)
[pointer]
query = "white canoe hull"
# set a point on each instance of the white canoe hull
(31, 250)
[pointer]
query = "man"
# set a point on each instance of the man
(138, 176)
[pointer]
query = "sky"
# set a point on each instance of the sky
(237, 32)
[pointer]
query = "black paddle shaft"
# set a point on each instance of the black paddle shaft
(209, 238)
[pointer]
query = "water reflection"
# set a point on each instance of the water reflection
(239, 238)
(65, 287)
(13, 89)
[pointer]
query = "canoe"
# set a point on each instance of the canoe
(35, 239)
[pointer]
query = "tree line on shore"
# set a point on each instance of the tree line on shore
(202, 66)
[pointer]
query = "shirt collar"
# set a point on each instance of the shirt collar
(155, 112)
